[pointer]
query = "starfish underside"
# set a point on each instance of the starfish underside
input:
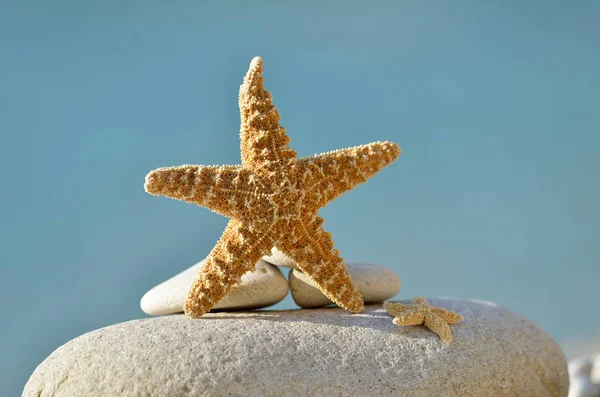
(419, 312)
(272, 199)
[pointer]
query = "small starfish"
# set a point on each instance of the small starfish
(434, 318)
(272, 199)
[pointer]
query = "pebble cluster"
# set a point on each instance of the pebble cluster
(266, 286)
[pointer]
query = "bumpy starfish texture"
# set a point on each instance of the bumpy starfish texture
(419, 312)
(272, 199)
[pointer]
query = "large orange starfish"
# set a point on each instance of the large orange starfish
(272, 200)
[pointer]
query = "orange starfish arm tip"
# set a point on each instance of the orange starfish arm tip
(226, 190)
(312, 249)
(263, 142)
(439, 326)
(394, 308)
(235, 254)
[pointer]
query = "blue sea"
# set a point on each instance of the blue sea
(495, 106)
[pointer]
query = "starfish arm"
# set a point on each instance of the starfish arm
(439, 326)
(395, 308)
(446, 315)
(264, 143)
(411, 316)
(226, 190)
(326, 176)
(235, 254)
(311, 248)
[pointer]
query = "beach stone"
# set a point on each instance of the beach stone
(581, 367)
(278, 258)
(376, 283)
(582, 387)
(263, 287)
(318, 352)
(595, 372)
(583, 377)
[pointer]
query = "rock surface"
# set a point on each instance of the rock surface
(261, 288)
(278, 258)
(376, 283)
(320, 352)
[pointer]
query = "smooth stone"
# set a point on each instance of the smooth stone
(278, 258)
(263, 287)
(318, 352)
(376, 283)
(582, 387)
(580, 374)
(581, 367)
(595, 373)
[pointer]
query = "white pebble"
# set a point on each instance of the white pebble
(376, 283)
(263, 287)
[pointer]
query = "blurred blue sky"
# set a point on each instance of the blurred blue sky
(496, 108)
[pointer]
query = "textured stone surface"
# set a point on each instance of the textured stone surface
(261, 288)
(374, 282)
(278, 258)
(319, 352)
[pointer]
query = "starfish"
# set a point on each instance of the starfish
(272, 200)
(434, 318)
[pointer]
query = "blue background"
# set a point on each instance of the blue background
(496, 108)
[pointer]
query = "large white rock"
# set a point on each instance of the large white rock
(376, 283)
(261, 288)
(320, 352)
